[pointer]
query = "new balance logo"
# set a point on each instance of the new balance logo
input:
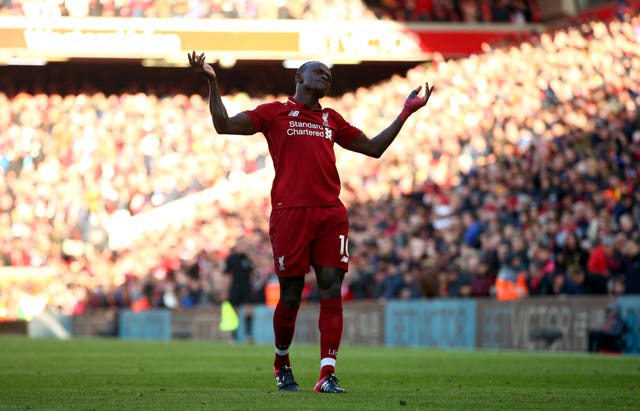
(294, 113)
(344, 259)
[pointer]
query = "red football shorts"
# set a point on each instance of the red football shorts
(303, 237)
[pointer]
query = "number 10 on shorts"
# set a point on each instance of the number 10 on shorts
(344, 247)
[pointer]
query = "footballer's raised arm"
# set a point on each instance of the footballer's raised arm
(374, 147)
(238, 124)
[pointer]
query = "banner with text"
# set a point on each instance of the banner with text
(52, 39)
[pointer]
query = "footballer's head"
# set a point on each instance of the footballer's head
(314, 76)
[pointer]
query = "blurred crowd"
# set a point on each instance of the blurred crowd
(462, 11)
(521, 179)
(468, 11)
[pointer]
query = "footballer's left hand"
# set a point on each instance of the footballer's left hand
(415, 102)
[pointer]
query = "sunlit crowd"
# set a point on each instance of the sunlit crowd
(521, 178)
(465, 11)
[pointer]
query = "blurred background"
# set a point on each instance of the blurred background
(519, 180)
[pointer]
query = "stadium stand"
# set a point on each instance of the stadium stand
(525, 147)
(468, 11)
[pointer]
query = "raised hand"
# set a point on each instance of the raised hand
(415, 102)
(200, 66)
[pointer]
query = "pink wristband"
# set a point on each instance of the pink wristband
(404, 114)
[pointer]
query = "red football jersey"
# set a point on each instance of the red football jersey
(301, 146)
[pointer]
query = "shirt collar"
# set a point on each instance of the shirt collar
(298, 104)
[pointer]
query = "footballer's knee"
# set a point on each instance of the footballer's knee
(291, 291)
(329, 281)
(291, 301)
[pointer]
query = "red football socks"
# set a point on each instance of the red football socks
(284, 322)
(330, 325)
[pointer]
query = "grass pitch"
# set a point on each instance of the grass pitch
(102, 374)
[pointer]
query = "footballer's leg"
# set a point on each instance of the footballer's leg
(330, 323)
(330, 260)
(284, 323)
(289, 239)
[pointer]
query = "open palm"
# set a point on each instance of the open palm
(198, 63)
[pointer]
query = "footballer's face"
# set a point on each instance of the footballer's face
(315, 76)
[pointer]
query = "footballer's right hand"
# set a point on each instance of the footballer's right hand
(200, 66)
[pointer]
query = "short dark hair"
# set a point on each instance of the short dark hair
(304, 66)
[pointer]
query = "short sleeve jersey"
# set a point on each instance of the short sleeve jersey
(301, 145)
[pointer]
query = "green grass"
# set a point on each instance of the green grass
(94, 374)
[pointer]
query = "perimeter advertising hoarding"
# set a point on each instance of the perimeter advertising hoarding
(363, 324)
(443, 323)
(170, 39)
(630, 307)
(513, 325)
(90, 323)
(147, 325)
(198, 324)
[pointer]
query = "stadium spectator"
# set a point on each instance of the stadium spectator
(459, 278)
(307, 216)
(631, 267)
(239, 269)
(501, 11)
(571, 254)
(600, 265)
(611, 337)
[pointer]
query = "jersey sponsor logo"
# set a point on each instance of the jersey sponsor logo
(306, 128)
